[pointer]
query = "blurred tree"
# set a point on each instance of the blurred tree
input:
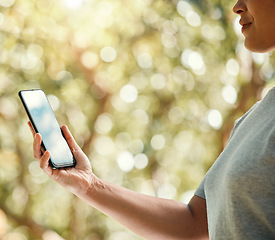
(150, 89)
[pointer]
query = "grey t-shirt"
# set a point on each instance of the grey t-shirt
(240, 186)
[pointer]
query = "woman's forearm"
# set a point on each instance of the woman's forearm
(149, 217)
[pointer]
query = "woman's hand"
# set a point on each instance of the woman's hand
(78, 179)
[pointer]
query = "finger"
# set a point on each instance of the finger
(37, 146)
(44, 163)
(70, 139)
(81, 158)
(31, 128)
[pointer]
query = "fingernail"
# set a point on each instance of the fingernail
(36, 136)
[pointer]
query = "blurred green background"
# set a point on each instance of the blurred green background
(150, 90)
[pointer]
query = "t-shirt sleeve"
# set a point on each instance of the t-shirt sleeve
(200, 190)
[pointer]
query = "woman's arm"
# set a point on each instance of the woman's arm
(149, 217)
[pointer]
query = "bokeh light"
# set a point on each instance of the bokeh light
(125, 161)
(149, 89)
(128, 93)
(215, 118)
(108, 54)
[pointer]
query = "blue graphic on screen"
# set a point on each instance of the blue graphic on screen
(48, 127)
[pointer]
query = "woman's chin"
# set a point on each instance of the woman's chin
(258, 48)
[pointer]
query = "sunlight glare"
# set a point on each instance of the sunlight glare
(183, 8)
(73, 4)
(141, 161)
(215, 119)
(108, 54)
(193, 19)
(125, 161)
(158, 142)
(128, 93)
(229, 94)
(6, 3)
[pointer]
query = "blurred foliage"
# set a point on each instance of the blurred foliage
(150, 89)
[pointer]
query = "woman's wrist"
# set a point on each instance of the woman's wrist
(90, 186)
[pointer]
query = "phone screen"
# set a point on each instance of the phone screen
(44, 121)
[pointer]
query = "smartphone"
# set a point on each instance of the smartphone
(44, 122)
